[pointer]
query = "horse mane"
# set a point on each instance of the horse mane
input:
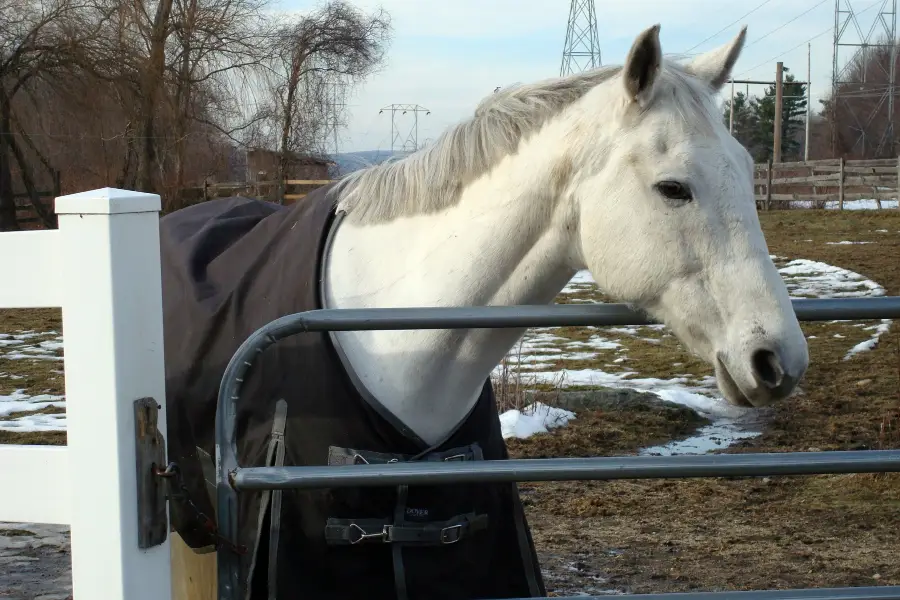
(433, 178)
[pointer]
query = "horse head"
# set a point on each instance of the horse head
(667, 221)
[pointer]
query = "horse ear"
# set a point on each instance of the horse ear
(715, 66)
(642, 65)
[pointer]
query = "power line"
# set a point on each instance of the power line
(860, 118)
(783, 25)
(818, 35)
(765, 62)
(727, 26)
(411, 143)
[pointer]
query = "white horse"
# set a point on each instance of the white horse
(628, 172)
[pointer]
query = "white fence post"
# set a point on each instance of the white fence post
(112, 326)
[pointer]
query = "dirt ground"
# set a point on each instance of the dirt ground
(711, 534)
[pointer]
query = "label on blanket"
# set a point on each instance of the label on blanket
(417, 514)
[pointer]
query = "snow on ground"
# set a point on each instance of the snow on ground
(598, 359)
(812, 279)
(867, 204)
(542, 354)
(534, 418)
(29, 346)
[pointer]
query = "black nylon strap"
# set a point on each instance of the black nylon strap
(397, 549)
(435, 533)
(338, 456)
(278, 429)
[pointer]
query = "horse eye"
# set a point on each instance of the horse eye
(674, 190)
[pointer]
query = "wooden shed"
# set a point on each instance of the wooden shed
(262, 165)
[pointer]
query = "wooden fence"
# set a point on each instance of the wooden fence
(26, 215)
(812, 184)
(102, 267)
(292, 190)
(826, 183)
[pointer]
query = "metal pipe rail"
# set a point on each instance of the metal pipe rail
(231, 477)
(569, 469)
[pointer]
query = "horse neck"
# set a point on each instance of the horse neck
(508, 241)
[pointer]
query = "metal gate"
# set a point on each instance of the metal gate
(232, 478)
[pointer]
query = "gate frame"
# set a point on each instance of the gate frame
(231, 478)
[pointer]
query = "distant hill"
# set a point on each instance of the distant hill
(347, 162)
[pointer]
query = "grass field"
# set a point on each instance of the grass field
(676, 535)
(720, 534)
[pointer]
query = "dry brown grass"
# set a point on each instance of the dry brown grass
(723, 533)
(740, 533)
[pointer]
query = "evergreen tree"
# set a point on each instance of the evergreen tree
(792, 121)
(745, 121)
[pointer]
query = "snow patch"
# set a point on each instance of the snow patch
(866, 204)
(533, 419)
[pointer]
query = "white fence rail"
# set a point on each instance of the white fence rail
(102, 267)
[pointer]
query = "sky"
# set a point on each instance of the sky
(446, 55)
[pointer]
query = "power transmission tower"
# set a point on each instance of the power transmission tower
(411, 141)
(581, 50)
(867, 103)
(334, 113)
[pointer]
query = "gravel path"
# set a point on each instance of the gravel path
(34, 562)
(35, 565)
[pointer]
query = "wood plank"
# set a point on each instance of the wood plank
(861, 170)
(808, 179)
(781, 165)
(830, 197)
(26, 195)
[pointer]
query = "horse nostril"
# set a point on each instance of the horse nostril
(767, 368)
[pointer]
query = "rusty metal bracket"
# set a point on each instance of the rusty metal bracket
(150, 447)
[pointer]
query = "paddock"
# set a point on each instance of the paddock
(112, 318)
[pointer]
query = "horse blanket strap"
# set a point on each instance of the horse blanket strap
(355, 531)
(351, 456)
(271, 503)
(277, 444)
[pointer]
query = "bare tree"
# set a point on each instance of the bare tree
(39, 41)
(172, 60)
(317, 56)
(854, 126)
(214, 42)
(155, 94)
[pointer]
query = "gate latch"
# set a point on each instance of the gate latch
(150, 450)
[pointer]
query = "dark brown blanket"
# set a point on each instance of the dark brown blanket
(229, 267)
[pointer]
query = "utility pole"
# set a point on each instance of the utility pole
(731, 111)
(778, 94)
(334, 112)
(411, 143)
(779, 101)
(863, 99)
(808, 99)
